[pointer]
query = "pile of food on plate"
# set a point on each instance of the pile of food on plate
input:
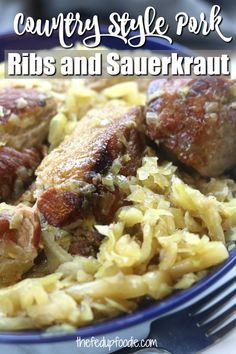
(111, 192)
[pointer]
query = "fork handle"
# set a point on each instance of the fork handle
(143, 351)
(152, 351)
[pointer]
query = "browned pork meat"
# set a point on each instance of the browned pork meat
(195, 121)
(25, 115)
(16, 170)
(69, 179)
(19, 239)
(24, 120)
(85, 243)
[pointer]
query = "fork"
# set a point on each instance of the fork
(197, 327)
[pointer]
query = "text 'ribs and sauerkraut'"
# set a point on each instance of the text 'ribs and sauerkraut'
(112, 191)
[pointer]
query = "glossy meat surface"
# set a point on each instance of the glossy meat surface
(195, 121)
(25, 114)
(69, 178)
(19, 240)
(16, 170)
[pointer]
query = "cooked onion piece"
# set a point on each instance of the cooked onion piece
(150, 249)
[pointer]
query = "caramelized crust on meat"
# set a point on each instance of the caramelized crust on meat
(19, 239)
(68, 178)
(25, 114)
(86, 244)
(195, 121)
(16, 170)
(97, 140)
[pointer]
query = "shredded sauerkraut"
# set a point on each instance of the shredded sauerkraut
(166, 238)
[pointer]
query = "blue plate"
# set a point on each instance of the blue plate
(153, 310)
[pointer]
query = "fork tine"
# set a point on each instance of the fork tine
(200, 317)
(211, 325)
(222, 331)
(201, 303)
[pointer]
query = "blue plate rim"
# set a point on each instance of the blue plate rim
(153, 311)
(160, 308)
